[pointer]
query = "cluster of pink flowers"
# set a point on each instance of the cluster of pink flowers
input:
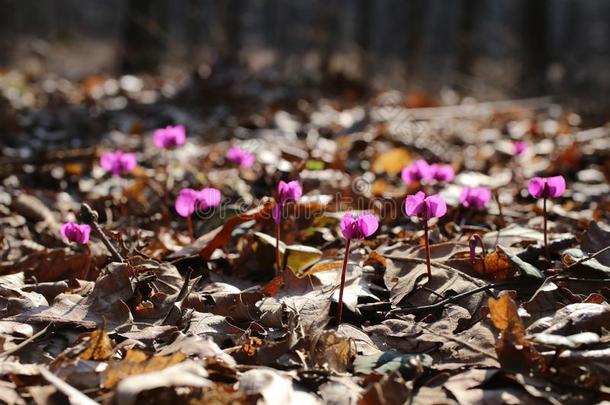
(422, 171)
(118, 163)
(169, 137)
(190, 200)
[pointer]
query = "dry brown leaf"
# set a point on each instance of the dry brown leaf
(100, 346)
(495, 266)
(513, 348)
(138, 362)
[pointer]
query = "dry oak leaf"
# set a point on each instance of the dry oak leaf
(100, 346)
(513, 348)
(138, 362)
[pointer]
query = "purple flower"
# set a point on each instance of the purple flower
(442, 172)
(118, 163)
(358, 227)
(189, 200)
(286, 192)
(476, 197)
(419, 170)
(169, 137)
(519, 147)
(240, 157)
(425, 207)
(547, 187)
(76, 232)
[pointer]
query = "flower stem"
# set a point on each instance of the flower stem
(546, 245)
(342, 285)
(89, 261)
(277, 246)
(427, 240)
(189, 225)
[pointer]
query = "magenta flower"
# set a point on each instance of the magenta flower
(169, 137)
(519, 147)
(240, 157)
(190, 200)
(475, 197)
(419, 170)
(418, 205)
(118, 163)
(425, 208)
(442, 172)
(76, 232)
(358, 227)
(353, 227)
(286, 192)
(547, 187)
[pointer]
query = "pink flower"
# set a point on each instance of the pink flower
(358, 227)
(286, 192)
(76, 232)
(169, 137)
(442, 172)
(118, 163)
(519, 147)
(240, 157)
(425, 207)
(189, 200)
(476, 197)
(419, 170)
(547, 187)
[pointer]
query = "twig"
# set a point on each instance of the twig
(453, 298)
(90, 217)
(74, 395)
(26, 342)
(593, 256)
(181, 294)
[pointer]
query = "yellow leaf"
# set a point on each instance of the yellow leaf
(392, 161)
(138, 362)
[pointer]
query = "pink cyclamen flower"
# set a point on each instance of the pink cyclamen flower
(419, 170)
(240, 157)
(547, 187)
(169, 137)
(118, 163)
(475, 197)
(286, 192)
(76, 232)
(442, 172)
(519, 147)
(190, 200)
(358, 227)
(425, 207)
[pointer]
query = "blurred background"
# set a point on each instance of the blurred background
(487, 48)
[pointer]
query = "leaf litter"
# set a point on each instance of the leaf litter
(214, 320)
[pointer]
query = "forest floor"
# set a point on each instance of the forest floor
(211, 320)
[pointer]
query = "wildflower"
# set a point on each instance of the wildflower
(169, 137)
(286, 192)
(353, 227)
(240, 157)
(475, 197)
(519, 147)
(419, 170)
(78, 233)
(425, 208)
(118, 163)
(190, 200)
(442, 172)
(545, 188)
